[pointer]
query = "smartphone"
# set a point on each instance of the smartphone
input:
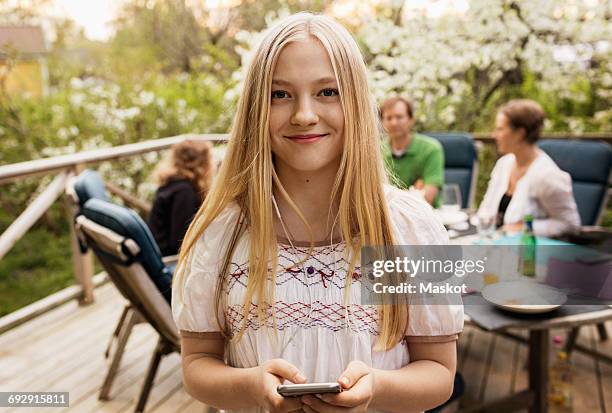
(292, 390)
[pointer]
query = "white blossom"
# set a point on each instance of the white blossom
(128, 113)
(146, 97)
(76, 99)
(160, 124)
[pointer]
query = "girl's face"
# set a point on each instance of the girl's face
(306, 118)
(506, 137)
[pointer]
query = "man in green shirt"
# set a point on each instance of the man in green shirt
(413, 159)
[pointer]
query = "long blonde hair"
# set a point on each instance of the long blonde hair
(247, 175)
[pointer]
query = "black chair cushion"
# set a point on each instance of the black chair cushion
(127, 223)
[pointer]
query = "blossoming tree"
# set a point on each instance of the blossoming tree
(458, 66)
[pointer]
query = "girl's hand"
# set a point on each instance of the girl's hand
(357, 381)
(267, 378)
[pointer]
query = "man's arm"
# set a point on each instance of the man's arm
(433, 174)
(429, 191)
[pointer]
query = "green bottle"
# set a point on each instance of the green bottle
(527, 265)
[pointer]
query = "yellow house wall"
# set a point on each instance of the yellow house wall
(24, 76)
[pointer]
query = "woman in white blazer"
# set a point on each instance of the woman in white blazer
(525, 180)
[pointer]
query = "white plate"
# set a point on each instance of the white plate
(451, 217)
(519, 296)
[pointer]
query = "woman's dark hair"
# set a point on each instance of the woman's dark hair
(525, 114)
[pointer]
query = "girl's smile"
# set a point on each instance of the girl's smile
(310, 138)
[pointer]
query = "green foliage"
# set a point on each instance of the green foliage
(93, 113)
(606, 221)
(158, 36)
(579, 109)
(26, 277)
(487, 156)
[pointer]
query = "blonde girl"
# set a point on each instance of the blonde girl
(267, 289)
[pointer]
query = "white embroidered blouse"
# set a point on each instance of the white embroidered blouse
(314, 330)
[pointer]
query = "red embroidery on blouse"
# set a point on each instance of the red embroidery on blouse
(325, 276)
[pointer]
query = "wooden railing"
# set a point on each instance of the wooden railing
(67, 166)
(44, 166)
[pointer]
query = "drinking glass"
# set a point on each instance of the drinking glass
(485, 227)
(450, 198)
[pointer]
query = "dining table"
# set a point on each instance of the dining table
(536, 334)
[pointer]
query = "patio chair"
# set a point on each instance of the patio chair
(460, 163)
(589, 165)
(125, 247)
(90, 185)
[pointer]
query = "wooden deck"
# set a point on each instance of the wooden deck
(494, 366)
(63, 351)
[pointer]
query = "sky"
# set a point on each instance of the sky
(93, 15)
